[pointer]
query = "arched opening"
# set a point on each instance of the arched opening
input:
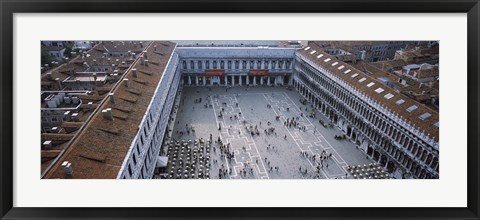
(369, 151)
(376, 155)
(383, 160)
(390, 166)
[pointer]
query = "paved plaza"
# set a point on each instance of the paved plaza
(262, 133)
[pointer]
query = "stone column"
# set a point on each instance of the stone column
(254, 80)
(248, 80)
(211, 79)
(261, 80)
(226, 82)
(196, 80)
(204, 80)
(268, 80)
(233, 80)
(189, 80)
(240, 80)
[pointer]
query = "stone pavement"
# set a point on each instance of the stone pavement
(246, 111)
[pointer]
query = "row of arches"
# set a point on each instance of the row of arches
(272, 64)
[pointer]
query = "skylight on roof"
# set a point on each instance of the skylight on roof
(347, 71)
(307, 48)
(399, 102)
(362, 79)
(313, 52)
(341, 67)
(321, 55)
(326, 60)
(412, 108)
(437, 124)
(370, 84)
(425, 116)
(334, 64)
(354, 75)
(389, 96)
(379, 90)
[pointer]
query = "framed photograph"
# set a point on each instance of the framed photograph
(255, 110)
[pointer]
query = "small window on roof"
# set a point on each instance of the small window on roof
(370, 84)
(326, 60)
(354, 75)
(321, 55)
(389, 96)
(362, 79)
(313, 52)
(399, 102)
(425, 116)
(379, 90)
(437, 124)
(347, 71)
(307, 48)
(341, 67)
(334, 64)
(412, 108)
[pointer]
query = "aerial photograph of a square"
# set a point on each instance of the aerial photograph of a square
(239, 109)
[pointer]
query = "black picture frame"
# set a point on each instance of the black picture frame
(9, 7)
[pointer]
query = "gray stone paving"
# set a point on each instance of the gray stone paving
(263, 153)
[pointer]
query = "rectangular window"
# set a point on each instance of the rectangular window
(412, 108)
(425, 116)
(354, 75)
(370, 84)
(130, 170)
(399, 102)
(389, 96)
(362, 79)
(379, 90)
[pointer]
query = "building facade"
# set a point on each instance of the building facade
(383, 136)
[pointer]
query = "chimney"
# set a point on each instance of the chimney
(75, 117)
(125, 81)
(47, 144)
(141, 44)
(49, 75)
(67, 167)
(134, 72)
(155, 47)
(115, 76)
(66, 116)
(94, 77)
(107, 114)
(95, 62)
(59, 83)
(145, 62)
(55, 130)
(67, 100)
(145, 54)
(112, 97)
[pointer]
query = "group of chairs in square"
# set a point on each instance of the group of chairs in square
(188, 159)
(368, 171)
